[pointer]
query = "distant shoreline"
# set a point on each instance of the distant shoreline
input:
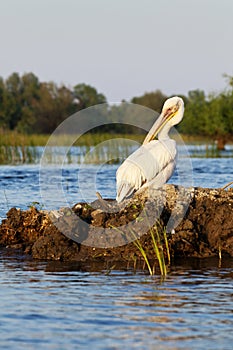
(14, 138)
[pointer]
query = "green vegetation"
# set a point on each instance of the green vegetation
(160, 246)
(208, 116)
(30, 106)
(138, 244)
(18, 148)
(14, 138)
(157, 239)
(30, 111)
(153, 100)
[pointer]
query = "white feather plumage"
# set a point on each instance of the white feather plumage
(154, 162)
(151, 163)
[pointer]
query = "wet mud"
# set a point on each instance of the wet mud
(194, 222)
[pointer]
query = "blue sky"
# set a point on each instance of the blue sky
(123, 48)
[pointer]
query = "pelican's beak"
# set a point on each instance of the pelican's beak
(164, 117)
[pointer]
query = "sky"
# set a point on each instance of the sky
(123, 48)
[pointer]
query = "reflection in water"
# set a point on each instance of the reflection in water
(55, 305)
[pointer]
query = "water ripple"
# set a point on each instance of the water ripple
(191, 309)
(19, 185)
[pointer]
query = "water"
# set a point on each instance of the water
(52, 305)
(20, 185)
(57, 306)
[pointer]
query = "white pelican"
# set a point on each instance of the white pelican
(154, 162)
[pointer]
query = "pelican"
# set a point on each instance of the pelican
(154, 162)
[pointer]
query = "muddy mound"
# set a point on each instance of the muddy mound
(192, 222)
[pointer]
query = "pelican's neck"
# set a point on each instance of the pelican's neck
(163, 134)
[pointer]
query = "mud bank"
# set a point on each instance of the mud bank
(196, 222)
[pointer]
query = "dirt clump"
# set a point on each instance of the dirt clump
(197, 222)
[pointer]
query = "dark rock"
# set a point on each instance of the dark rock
(98, 217)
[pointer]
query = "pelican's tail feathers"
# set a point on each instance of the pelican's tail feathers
(124, 190)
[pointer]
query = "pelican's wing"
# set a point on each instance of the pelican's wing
(161, 178)
(153, 162)
(164, 155)
(124, 190)
(129, 179)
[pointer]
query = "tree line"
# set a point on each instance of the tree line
(205, 115)
(30, 106)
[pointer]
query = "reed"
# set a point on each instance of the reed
(88, 148)
(14, 138)
(157, 239)
(18, 148)
(210, 150)
(158, 250)
(138, 244)
(167, 246)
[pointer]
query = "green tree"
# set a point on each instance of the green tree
(210, 116)
(30, 87)
(226, 107)
(153, 100)
(13, 107)
(4, 122)
(196, 114)
(54, 105)
(87, 96)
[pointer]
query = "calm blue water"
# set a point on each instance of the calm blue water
(53, 187)
(56, 305)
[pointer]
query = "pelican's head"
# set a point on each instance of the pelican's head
(172, 113)
(173, 110)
